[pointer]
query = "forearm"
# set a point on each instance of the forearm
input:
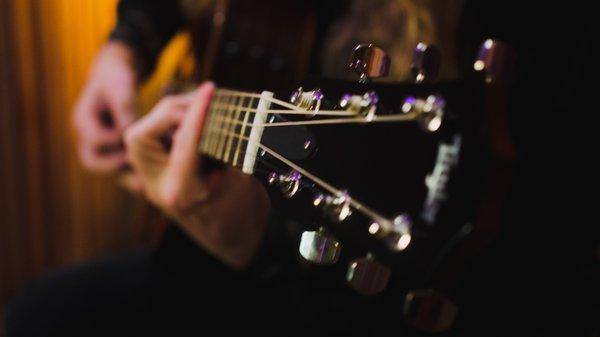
(146, 27)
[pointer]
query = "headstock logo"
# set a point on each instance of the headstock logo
(437, 180)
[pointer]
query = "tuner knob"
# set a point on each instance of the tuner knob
(319, 247)
(495, 60)
(367, 275)
(369, 61)
(429, 310)
(426, 62)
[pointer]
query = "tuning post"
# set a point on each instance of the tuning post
(308, 100)
(367, 275)
(319, 199)
(369, 62)
(319, 247)
(397, 235)
(338, 208)
(289, 183)
(365, 105)
(429, 112)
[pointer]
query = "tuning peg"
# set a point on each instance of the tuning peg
(430, 310)
(397, 235)
(367, 275)
(369, 61)
(496, 60)
(319, 247)
(365, 105)
(426, 62)
(309, 100)
(289, 183)
(430, 112)
(338, 208)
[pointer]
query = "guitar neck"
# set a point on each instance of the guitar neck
(234, 126)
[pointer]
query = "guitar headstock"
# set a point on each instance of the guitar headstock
(386, 178)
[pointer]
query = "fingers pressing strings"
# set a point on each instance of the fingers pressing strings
(184, 154)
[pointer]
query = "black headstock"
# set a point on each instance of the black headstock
(390, 179)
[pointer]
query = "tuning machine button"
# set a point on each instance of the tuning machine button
(365, 105)
(369, 61)
(367, 275)
(397, 235)
(319, 247)
(426, 62)
(309, 100)
(338, 208)
(289, 183)
(429, 112)
(429, 310)
(495, 60)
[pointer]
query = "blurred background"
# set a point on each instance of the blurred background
(52, 212)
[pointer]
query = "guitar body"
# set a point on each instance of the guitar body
(245, 46)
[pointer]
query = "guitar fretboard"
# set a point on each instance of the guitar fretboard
(232, 129)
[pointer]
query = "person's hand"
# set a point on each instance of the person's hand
(104, 109)
(225, 211)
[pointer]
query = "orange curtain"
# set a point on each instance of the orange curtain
(51, 211)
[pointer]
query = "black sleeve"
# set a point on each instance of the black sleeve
(147, 26)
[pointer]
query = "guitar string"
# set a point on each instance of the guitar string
(292, 109)
(336, 121)
(375, 216)
(293, 112)
(270, 99)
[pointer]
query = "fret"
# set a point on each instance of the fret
(208, 130)
(240, 115)
(231, 127)
(243, 130)
(235, 129)
(222, 127)
(215, 127)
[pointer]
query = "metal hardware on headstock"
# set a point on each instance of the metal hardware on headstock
(338, 208)
(309, 100)
(496, 60)
(319, 247)
(369, 62)
(426, 62)
(365, 105)
(367, 275)
(289, 183)
(430, 112)
(429, 310)
(398, 238)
